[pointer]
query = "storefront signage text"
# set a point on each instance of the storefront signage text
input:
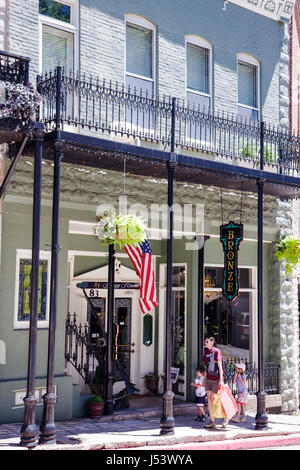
(231, 236)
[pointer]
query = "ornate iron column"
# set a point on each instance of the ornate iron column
(47, 428)
(167, 422)
(28, 429)
(109, 409)
(261, 418)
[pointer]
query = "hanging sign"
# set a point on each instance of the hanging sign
(231, 236)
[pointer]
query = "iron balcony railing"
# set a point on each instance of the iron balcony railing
(95, 105)
(14, 68)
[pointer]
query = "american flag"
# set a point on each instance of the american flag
(141, 258)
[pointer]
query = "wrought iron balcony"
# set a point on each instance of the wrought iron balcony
(90, 105)
(14, 68)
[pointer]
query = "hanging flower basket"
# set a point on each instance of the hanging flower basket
(21, 102)
(120, 230)
(288, 250)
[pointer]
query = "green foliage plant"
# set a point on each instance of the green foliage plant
(288, 250)
(120, 230)
(94, 400)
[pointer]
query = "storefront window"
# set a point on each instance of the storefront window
(229, 322)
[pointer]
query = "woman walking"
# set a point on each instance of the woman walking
(214, 377)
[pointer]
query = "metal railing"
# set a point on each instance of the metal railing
(85, 356)
(95, 105)
(271, 376)
(14, 68)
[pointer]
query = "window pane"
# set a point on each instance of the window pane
(214, 278)
(139, 50)
(247, 84)
(137, 118)
(229, 322)
(57, 10)
(58, 49)
(25, 288)
(197, 68)
(178, 326)
(248, 113)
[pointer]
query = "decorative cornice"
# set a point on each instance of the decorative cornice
(278, 10)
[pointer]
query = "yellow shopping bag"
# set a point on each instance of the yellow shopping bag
(217, 410)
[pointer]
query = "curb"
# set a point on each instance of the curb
(240, 444)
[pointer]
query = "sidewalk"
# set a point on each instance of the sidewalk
(143, 430)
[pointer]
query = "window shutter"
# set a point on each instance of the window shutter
(197, 68)
(139, 50)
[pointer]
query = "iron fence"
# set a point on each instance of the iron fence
(271, 376)
(14, 68)
(101, 106)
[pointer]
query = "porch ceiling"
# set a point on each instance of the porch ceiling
(89, 151)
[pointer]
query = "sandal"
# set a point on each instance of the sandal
(210, 425)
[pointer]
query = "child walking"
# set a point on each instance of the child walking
(200, 392)
(242, 392)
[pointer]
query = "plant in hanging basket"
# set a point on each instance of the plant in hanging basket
(120, 230)
(288, 250)
(22, 102)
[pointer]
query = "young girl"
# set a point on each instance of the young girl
(241, 385)
(200, 392)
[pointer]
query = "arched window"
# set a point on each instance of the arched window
(248, 86)
(198, 71)
(140, 53)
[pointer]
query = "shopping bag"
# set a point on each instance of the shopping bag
(227, 401)
(217, 410)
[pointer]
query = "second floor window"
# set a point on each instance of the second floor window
(197, 71)
(248, 90)
(140, 70)
(57, 34)
(140, 57)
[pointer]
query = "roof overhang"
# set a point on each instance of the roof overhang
(106, 154)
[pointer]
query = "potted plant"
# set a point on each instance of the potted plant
(288, 249)
(95, 406)
(151, 381)
(120, 230)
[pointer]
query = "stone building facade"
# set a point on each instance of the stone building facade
(98, 32)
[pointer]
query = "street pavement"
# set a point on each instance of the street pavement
(119, 432)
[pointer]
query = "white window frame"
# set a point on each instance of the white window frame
(72, 27)
(144, 23)
(162, 322)
(253, 346)
(26, 254)
(195, 40)
(249, 60)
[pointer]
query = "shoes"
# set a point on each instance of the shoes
(243, 419)
(235, 420)
(210, 425)
(199, 418)
(225, 422)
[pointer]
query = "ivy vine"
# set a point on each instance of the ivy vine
(288, 250)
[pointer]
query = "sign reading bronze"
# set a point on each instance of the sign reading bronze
(231, 236)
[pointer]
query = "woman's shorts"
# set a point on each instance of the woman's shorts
(212, 385)
(241, 398)
(200, 401)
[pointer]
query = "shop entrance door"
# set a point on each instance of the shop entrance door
(123, 309)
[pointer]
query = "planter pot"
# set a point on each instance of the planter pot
(94, 410)
(152, 384)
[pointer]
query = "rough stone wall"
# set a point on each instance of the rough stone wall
(283, 309)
